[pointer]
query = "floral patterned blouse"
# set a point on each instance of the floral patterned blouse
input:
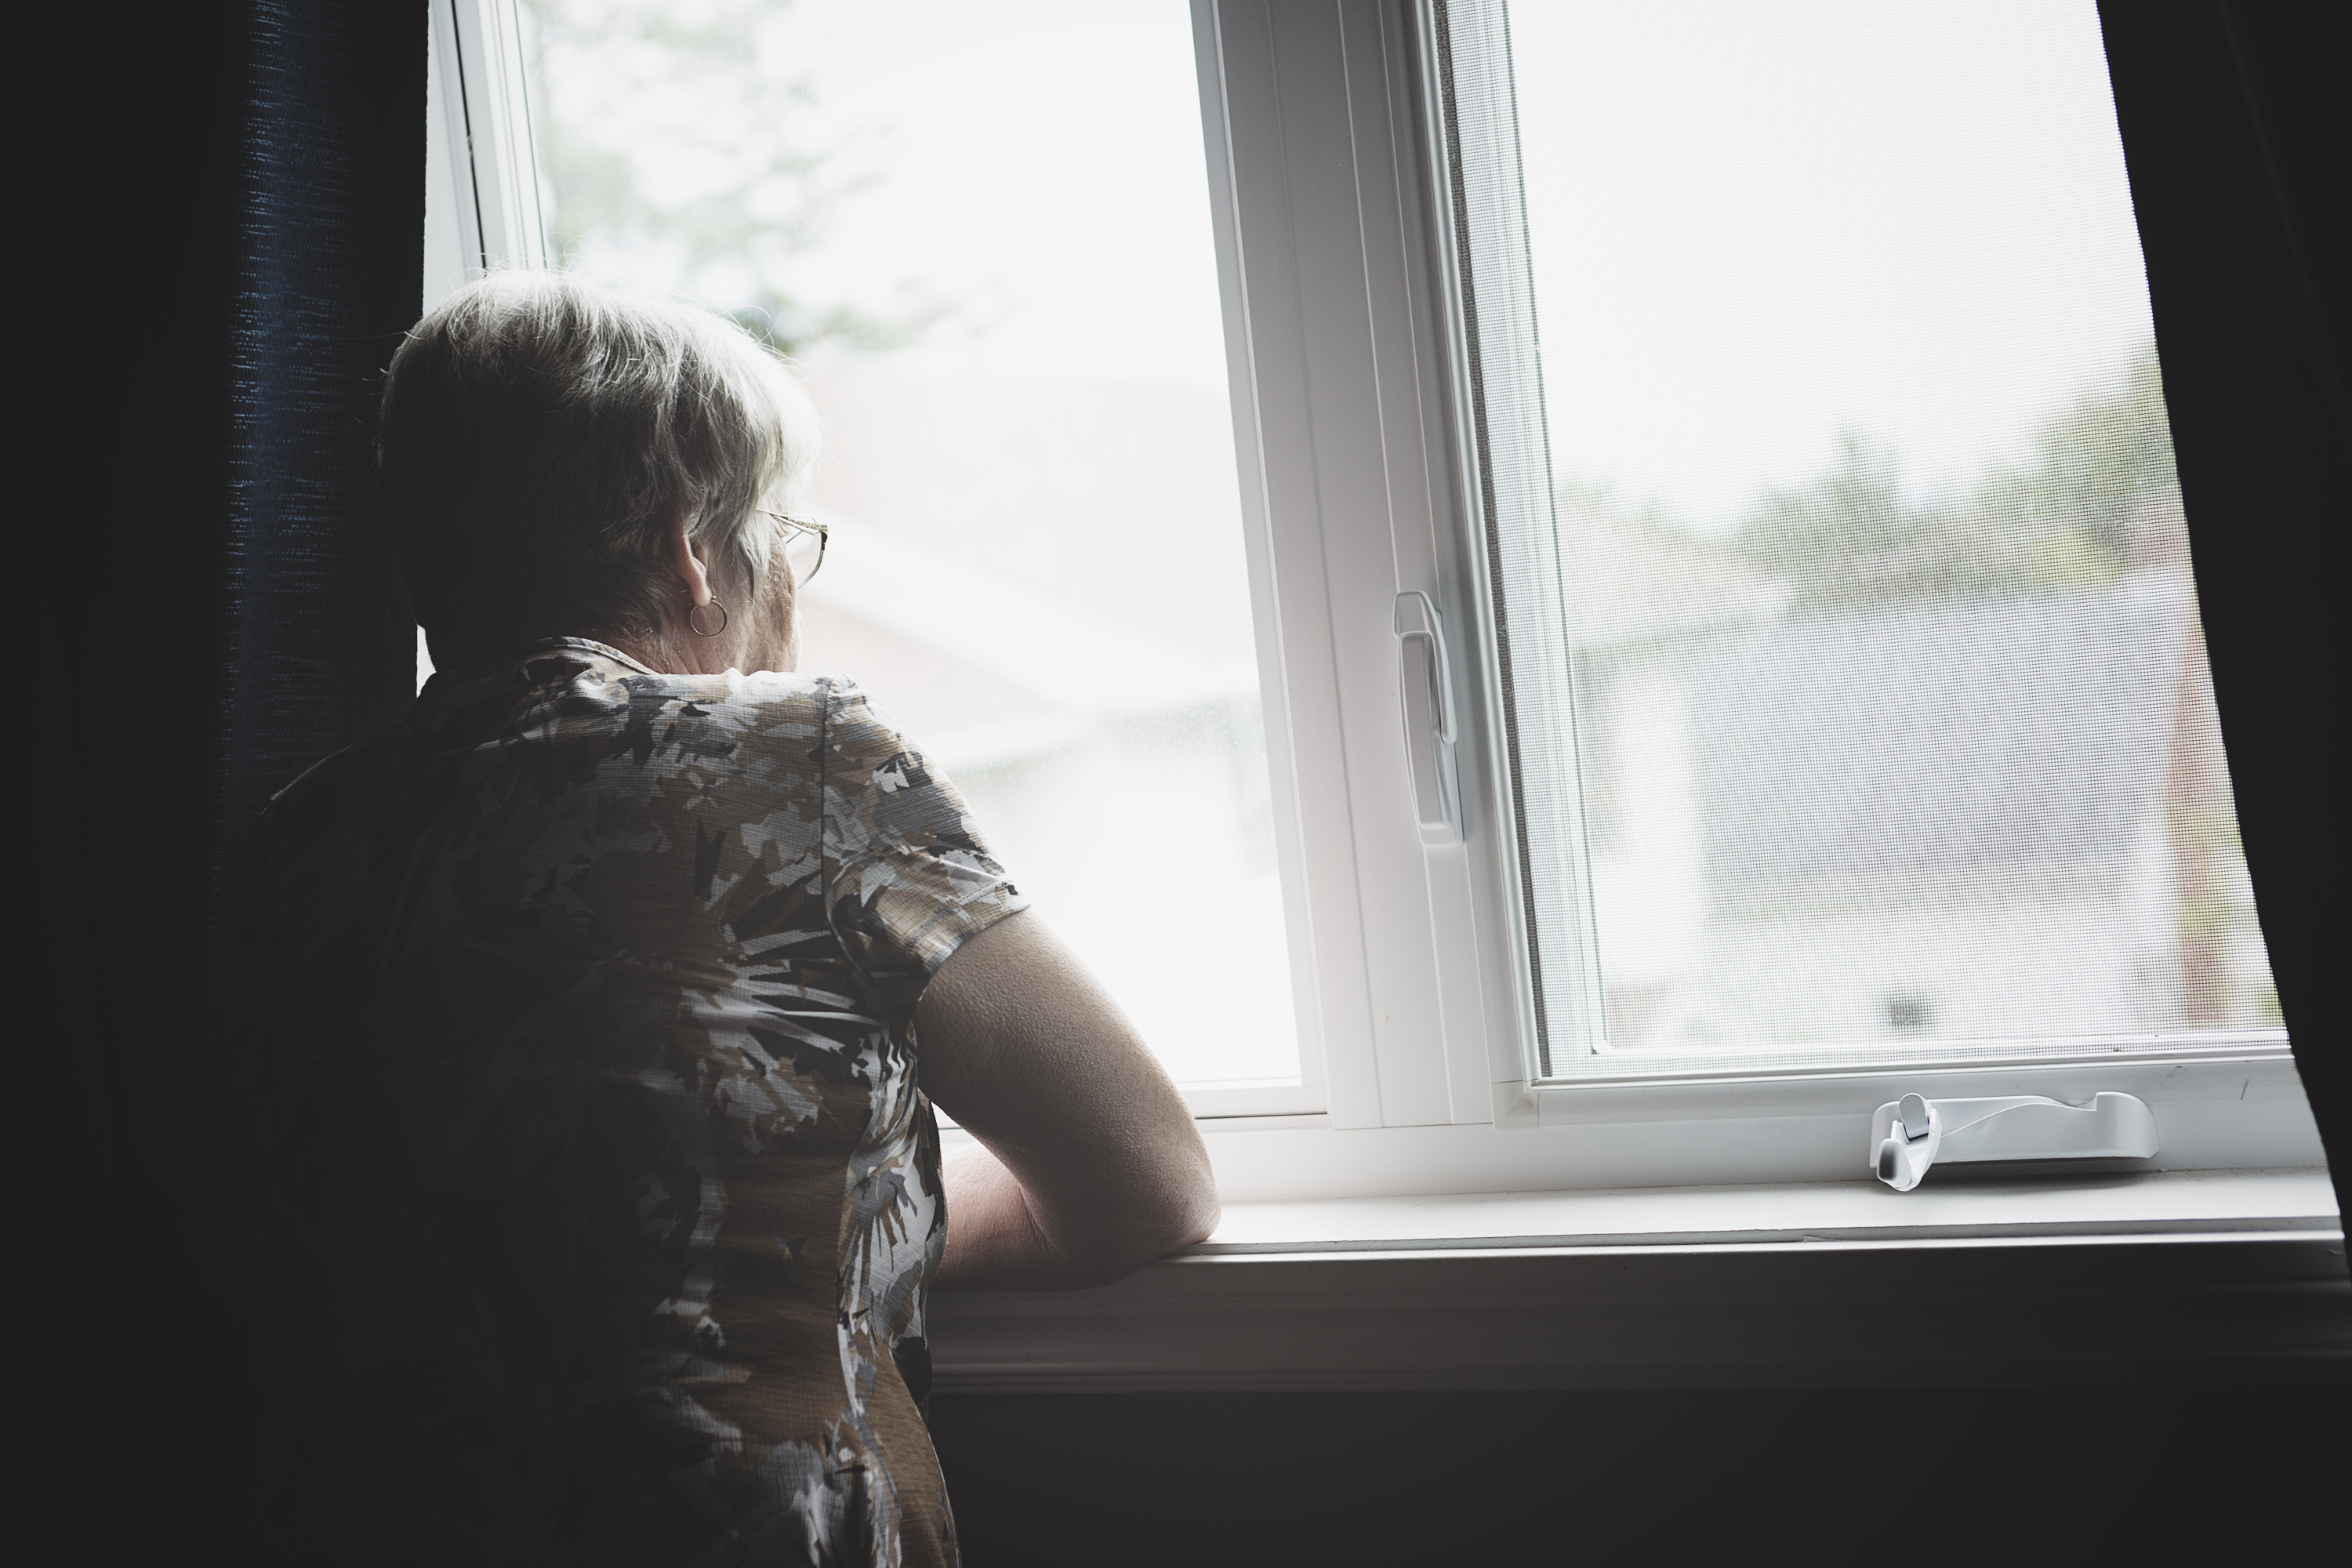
(590, 1195)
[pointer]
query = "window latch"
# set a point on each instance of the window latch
(1425, 681)
(1909, 1135)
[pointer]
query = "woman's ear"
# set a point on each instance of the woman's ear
(683, 562)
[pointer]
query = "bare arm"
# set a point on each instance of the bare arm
(1089, 1165)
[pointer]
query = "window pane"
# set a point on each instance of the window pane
(1891, 722)
(1011, 328)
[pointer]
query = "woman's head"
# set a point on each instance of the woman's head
(558, 459)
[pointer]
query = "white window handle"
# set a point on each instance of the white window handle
(1425, 679)
(1910, 1134)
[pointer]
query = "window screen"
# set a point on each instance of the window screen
(1856, 695)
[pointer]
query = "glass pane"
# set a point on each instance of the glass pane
(1013, 333)
(1889, 701)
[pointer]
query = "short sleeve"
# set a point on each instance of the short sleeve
(908, 877)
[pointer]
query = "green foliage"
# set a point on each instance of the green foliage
(757, 193)
(2099, 465)
(2100, 477)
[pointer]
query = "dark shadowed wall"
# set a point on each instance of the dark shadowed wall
(1888, 1477)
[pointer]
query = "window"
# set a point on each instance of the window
(1780, 443)
(1014, 339)
(1636, 545)
(1890, 715)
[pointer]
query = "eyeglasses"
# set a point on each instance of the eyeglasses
(805, 544)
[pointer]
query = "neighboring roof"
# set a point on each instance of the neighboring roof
(1117, 496)
(1072, 654)
(1018, 563)
(1939, 736)
(982, 667)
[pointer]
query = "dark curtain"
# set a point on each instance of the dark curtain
(2234, 128)
(329, 269)
(264, 160)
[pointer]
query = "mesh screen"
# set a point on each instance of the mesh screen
(1859, 701)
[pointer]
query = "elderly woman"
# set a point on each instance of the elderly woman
(590, 1019)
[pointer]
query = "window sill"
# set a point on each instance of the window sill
(2226, 1110)
(2170, 1276)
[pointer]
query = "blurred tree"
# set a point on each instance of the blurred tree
(676, 146)
(1850, 538)
(2099, 484)
(2102, 468)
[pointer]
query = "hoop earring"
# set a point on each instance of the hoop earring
(715, 630)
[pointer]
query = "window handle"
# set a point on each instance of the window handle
(1909, 1135)
(1425, 681)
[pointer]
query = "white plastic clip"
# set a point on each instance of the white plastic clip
(1910, 1134)
(1912, 1141)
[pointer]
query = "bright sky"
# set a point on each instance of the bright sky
(1041, 158)
(1755, 224)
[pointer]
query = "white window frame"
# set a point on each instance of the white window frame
(1352, 418)
(1356, 452)
(481, 168)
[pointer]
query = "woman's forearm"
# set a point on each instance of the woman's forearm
(1088, 1165)
(998, 1239)
(993, 1240)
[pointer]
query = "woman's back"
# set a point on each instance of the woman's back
(596, 1198)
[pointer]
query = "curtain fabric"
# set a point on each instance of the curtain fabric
(262, 165)
(329, 257)
(2234, 125)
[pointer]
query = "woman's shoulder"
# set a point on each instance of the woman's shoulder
(334, 796)
(854, 717)
(576, 667)
(786, 729)
(571, 685)
(570, 694)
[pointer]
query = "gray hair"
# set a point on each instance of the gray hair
(539, 433)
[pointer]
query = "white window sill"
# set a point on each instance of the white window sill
(2194, 1275)
(1954, 1201)
(2228, 1110)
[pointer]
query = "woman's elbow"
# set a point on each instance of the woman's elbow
(1201, 1213)
(1189, 1214)
(1171, 1220)
(1188, 1210)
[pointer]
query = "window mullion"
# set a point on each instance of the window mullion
(477, 61)
(1331, 228)
(1275, 422)
(1479, 157)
